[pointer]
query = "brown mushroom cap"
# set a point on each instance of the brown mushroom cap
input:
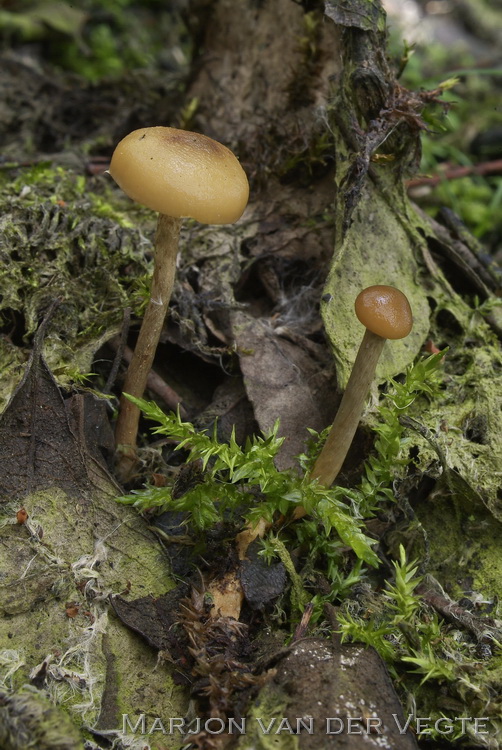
(181, 174)
(385, 311)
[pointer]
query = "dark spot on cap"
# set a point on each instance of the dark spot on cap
(196, 141)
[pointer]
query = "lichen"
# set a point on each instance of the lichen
(89, 663)
(464, 549)
(269, 705)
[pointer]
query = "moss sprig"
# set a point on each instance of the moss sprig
(244, 481)
(423, 651)
(390, 456)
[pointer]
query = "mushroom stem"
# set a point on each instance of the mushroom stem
(166, 250)
(347, 418)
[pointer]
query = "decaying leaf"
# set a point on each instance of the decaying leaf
(76, 545)
(283, 381)
(38, 444)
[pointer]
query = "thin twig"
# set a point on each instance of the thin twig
(454, 173)
(154, 382)
(118, 345)
(483, 628)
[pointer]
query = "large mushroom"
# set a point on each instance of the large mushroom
(179, 174)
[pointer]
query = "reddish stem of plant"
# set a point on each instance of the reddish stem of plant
(453, 173)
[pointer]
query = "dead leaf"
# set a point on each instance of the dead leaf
(156, 620)
(38, 447)
(283, 382)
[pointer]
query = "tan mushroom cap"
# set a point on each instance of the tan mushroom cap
(181, 174)
(385, 311)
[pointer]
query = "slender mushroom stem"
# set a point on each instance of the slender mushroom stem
(166, 250)
(336, 447)
(344, 426)
(386, 314)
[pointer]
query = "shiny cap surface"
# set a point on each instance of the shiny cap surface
(181, 174)
(385, 311)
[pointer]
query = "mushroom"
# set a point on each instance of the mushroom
(386, 313)
(179, 174)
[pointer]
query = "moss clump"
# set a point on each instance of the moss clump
(269, 706)
(29, 720)
(66, 237)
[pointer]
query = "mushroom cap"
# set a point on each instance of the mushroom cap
(385, 311)
(181, 174)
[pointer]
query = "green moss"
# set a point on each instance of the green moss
(102, 38)
(463, 417)
(464, 547)
(29, 720)
(436, 663)
(81, 550)
(70, 238)
(269, 705)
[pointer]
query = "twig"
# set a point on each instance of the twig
(454, 173)
(119, 350)
(482, 628)
(154, 382)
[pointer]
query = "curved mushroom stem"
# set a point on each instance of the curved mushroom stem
(349, 412)
(166, 250)
(227, 592)
(336, 447)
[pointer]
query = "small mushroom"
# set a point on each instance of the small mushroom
(179, 174)
(386, 313)
(22, 516)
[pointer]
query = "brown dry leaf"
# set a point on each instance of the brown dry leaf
(37, 446)
(283, 381)
(76, 544)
